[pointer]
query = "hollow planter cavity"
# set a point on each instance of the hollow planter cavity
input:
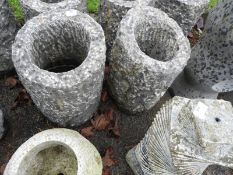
(150, 50)
(60, 59)
(55, 152)
(33, 8)
(185, 12)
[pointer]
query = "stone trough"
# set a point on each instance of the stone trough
(55, 152)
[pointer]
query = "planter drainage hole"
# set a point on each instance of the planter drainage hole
(157, 42)
(54, 160)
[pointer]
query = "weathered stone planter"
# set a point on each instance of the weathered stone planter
(185, 138)
(185, 12)
(33, 8)
(55, 152)
(149, 52)
(111, 13)
(59, 57)
(2, 129)
(210, 68)
(7, 36)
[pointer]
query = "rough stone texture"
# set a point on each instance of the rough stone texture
(186, 137)
(185, 12)
(149, 52)
(54, 152)
(56, 40)
(2, 129)
(33, 8)
(210, 67)
(7, 35)
(111, 13)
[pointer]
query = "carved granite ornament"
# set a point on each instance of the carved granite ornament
(150, 50)
(210, 68)
(59, 57)
(55, 152)
(185, 12)
(7, 35)
(33, 8)
(2, 129)
(111, 13)
(185, 138)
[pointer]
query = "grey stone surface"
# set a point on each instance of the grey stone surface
(185, 12)
(63, 38)
(211, 64)
(186, 137)
(55, 152)
(110, 15)
(149, 52)
(7, 35)
(2, 129)
(33, 8)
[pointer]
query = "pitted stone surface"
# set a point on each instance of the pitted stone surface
(186, 137)
(33, 8)
(7, 35)
(110, 15)
(54, 152)
(60, 38)
(149, 52)
(185, 12)
(211, 62)
(2, 129)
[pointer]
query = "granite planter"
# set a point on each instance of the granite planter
(186, 137)
(185, 12)
(150, 50)
(210, 68)
(33, 8)
(55, 152)
(111, 13)
(7, 35)
(60, 58)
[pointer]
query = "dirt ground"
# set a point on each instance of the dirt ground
(26, 120)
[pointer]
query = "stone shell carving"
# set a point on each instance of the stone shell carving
(2, 129)
(185, 12)
(54, 152)
(111, 13)
(66, 98)
(33, 8)
(185, 138)
(150, 50)
(210, 68)
(7, 35)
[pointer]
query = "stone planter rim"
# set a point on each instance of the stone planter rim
(84, 70)
(124, 2)
(188, 2)
(60, 136)
(133, 16)
(41, 6)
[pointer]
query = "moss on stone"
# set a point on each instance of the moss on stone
(92, 6)
(16, 9)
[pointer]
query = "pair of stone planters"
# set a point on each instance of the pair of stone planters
(55, 152)
(210, 68)
(60, 57)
